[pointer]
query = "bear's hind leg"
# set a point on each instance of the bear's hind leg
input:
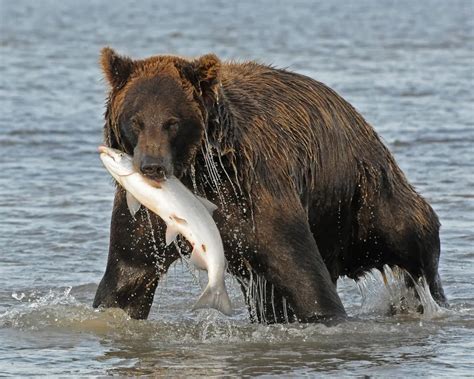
(409, 239)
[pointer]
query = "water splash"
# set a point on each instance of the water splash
(211, 166)
(153, 242)
(285, 310)
(18, 297)
(214, 169)
(59, 309)
(211, 326)
(188, 265)
(430, 308)
(260, 298)
(387, 292)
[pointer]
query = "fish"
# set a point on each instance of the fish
(184, 213)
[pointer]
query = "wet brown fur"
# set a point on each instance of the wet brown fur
(300, 158)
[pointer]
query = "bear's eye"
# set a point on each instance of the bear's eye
(137, 125)
(171, 125)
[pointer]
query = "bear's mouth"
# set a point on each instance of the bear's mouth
(157, 174)
(158, 177)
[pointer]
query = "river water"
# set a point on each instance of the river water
(406, 65)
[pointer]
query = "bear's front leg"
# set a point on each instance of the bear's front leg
(137, 259)
(288, 258)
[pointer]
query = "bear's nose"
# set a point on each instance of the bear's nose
(152, 168)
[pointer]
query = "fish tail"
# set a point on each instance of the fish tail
(215, 297)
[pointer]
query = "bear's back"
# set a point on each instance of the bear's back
(308, 115)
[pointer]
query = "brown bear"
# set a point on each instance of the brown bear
(306, 191)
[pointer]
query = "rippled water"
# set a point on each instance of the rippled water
(407, 66)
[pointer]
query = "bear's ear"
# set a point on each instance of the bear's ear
(208, 69)
(204, 75)
(117, 69)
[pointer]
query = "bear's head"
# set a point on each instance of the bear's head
(158, 109)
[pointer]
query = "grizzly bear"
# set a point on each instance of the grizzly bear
(306, 191)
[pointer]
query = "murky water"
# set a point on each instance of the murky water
(406, 65)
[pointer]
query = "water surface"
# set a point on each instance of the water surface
(407, 66)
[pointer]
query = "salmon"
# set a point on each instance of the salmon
(184, 213)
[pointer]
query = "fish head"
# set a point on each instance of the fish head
(116, 162)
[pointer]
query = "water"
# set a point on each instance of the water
(407, 66)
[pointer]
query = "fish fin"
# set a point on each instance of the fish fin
(133, 204)
(198, 260)
(209, 205)
(216, 298)
(171, 234)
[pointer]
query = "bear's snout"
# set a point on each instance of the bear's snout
(155, 168)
